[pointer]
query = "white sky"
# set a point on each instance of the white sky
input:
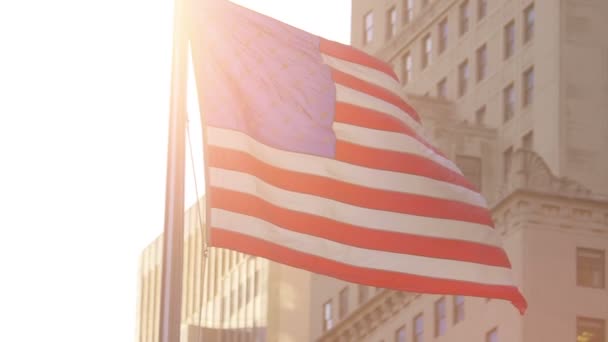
(84, 99)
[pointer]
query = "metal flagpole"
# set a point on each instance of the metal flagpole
(173, 239)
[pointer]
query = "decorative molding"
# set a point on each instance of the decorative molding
(530, 172)
(367, 317)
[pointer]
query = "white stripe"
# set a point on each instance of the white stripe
(341, 171)
(357, 98)
(371, 75)
(359, 257)
(354, 215)
(391, 141)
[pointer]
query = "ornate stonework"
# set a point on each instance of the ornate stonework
(530, 172)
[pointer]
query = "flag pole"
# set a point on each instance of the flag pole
(173, 237)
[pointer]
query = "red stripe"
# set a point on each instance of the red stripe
(345, 192)
(355, 115)
(351, 54)
(364, 237)
(372, 277)
(399, 162)
(373, 90)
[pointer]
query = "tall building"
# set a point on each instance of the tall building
(516, 92)
(226, 296)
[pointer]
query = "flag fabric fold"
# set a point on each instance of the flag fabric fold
(315, 160)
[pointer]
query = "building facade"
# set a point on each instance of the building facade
(515, 91)
(226, 296)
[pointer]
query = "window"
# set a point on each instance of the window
(458, 309)
(463, 77)
(492, 335)
(590, 266)
(391, 19)
(400, 334)
(471, 169)
(507, 162)
(480, 115)
(528, 141)
(328, 322)
(407, 68)
(590, 330)
(509, 39)
(464, 17)
(442, 88)
(528, 91)
(419, 328)
(427, 50)
(440, 317)
(529, 23)
(508, 95)
(408, 11)
(368, 34)
(363, 293)
(443, 35)
(343, 303)
(482, 9)
(482, 62)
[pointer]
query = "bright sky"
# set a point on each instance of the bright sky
(84, 99)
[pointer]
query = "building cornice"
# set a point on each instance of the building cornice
(367, 317)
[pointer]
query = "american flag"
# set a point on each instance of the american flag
(314, 160)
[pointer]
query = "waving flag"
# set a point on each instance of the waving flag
(314, 160)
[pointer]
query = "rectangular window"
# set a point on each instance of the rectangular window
(328, 322)
(528, 89)
(482, 62)
(480, 115)
(343, 303)
(400, 334)
(442, 90)
(464, 17)
(427, 50)
(590, 329)
(492, 335)
(419, 328)
(368, 33)
(363, 293)
(407, 68)
(528, 141)
(509, 39)
(471, 169)
(507, 163)
(529, 23)
(590, 266)
(408, 11)
(391, 20)
(463, 77)
(443, 35)
(508, 95)
(441, 324)
(458, 309)
(482, 9)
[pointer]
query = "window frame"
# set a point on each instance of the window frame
(509, 39)
(601, 267)
(427, 50)
(529, 22)
(464, 17)
(443, 36)
(528, 86)
(481, 69)
(368, 28)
